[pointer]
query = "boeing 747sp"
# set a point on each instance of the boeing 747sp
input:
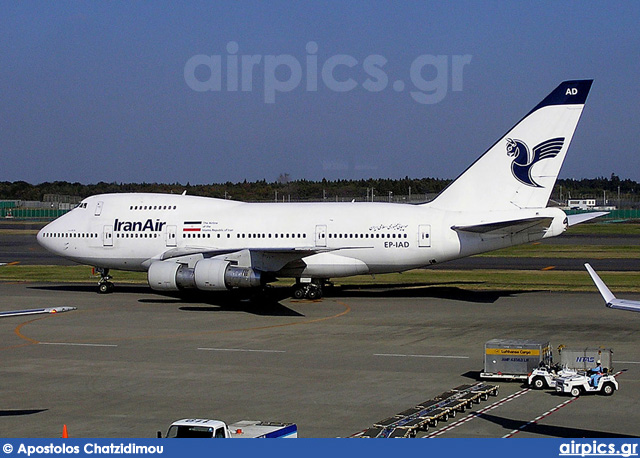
(188, 242)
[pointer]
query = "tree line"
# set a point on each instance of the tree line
(301, 190)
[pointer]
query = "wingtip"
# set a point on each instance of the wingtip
(604, 291)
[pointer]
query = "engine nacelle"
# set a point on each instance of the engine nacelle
(170, 276)
(207, 275)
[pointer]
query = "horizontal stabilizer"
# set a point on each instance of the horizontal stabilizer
(506, 227)
(572, 220)
(608, 296)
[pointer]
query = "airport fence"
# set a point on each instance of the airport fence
(613, 214)
(31, 213)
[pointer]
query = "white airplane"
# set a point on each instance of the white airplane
(187, 242)
(609, 299)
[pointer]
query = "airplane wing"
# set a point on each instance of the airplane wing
(264, 259)
(207, 252)
(36, 311)
(610, 300)
(505, 228)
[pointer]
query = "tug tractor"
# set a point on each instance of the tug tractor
(546, 376)
(580, 383)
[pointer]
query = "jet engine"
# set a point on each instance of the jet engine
(207, 274)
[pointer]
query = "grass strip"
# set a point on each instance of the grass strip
(540, 250)
(478, 279)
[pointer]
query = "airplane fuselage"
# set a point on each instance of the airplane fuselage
(130, 231)
(186, 242)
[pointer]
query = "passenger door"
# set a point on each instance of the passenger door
(424, 235)
(172, 239)
(321, 235)
(107, 236)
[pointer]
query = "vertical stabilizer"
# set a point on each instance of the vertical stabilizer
(520, 169)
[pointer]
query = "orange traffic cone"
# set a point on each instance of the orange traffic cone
(65, 434)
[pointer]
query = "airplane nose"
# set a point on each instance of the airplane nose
(42, 237)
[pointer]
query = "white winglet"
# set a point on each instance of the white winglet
(609, 298)
(606, 293)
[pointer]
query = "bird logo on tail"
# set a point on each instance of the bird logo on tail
(523, 162)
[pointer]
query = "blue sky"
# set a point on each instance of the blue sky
(103, 91)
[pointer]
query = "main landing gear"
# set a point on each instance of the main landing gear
(310, 291)
(104, 285)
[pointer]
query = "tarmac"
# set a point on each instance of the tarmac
(127, 364)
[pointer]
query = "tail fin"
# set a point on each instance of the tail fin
(520, 169)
